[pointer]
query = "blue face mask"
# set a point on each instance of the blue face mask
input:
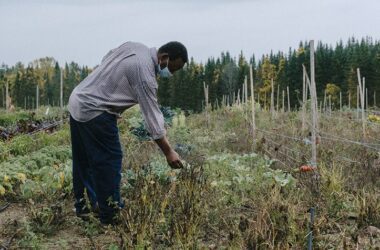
(164, 73)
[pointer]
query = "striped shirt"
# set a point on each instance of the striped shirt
(125, 77)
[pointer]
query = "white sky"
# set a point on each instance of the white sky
(83, 30)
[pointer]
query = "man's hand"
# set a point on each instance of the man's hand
(174, 160)
(171, 156)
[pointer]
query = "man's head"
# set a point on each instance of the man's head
(172, 55)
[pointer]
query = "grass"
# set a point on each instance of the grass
(238, 191)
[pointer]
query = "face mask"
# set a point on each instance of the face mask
(164, 73)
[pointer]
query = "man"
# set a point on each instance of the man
(125, 77)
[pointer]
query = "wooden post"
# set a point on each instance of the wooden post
(3, 96)
(243, 93)
(272, 99)
(61, 95)
(278, 96)
(205, 90)
(246, 89)
(340, 101)
(7, 98)
(287, 89)
(362, 89)
(357, 97)
(252, 102)
(366, 98)
(325, 103)
(304, 97)
(314, 105)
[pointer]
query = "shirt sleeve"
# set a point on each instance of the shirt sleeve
(147, 98)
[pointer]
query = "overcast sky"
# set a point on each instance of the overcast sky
(83, 30)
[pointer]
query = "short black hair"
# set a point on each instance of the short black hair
(175, 50)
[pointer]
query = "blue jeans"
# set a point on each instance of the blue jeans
(97, 158)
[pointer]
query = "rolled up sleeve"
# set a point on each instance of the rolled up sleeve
(146, 93)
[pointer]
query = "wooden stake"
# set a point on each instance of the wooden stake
(61, 94)
(252, 102)
(37, 97)
(362, 96)
(357, 97)
(205, 90)
(272, 99)
(287, 89)
(278, 96)
(3, 96)
(314, 105)
(340, 101)
(7, 99)
(246, 89)
(304, 97)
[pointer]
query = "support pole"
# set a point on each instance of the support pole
(287, 89)
(7, 98)
(362, 96)
(272, 99)
(311, 226)
(304, 97)
(252, 102)
(61, 95)
(246, 89)
(278, 96)
(314, 105)
(357, 97)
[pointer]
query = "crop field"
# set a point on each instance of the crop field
(240, 189)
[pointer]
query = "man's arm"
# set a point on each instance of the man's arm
(171, 156)
(154, 121)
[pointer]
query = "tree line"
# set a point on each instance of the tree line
(335, 72)
(44, 73)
